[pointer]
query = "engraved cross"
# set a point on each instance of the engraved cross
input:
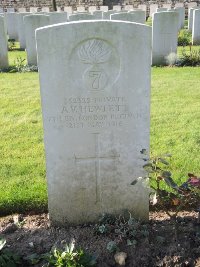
(96, 158)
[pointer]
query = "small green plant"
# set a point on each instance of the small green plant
(184, 37)
(165, 192)
(191, 58)
(7, 258)
(11, 44)
(69, 257)
(19, 64)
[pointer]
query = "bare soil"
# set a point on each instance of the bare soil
(33, 234)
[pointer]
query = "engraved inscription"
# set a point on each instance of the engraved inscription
(98, 112)
(96, 158)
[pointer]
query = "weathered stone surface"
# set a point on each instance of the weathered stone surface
(21, 29)
(133, 16)
(3, 44)
(45, 9)
(11, 24)
(57, 17)
(106, 15)
(165, 36)
(81, 9)
(95, 90)
(128, 7)
(68, 9)
(190, 18)
(91, 9)
(98, 14)
(104, 8)
(181, 12)
(160, 9)
(32, 22)
(117, 8)
(196, 27)
(81, 16)
(153, 8)
(33, 9)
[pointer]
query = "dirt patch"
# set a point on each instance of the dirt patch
(34, 234)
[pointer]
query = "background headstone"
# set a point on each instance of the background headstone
(32, 22)
(128, 7)
(96, 117)
(117, 8)
(132, 17)
(106, 15)
(11, 24)
(3, 44)
(165, 36)
(104, 8)
(21, 29)
(81, 9)
(91, 9)
(81, 16)
(68, 9)
(10, 9)
(196, 27)
(33, 9)
(98, 14)
(45, 9)
(181, 11)
(153, 8)
(57, 17)
(22, 9)
(160, 9)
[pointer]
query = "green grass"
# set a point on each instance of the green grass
(175, 128)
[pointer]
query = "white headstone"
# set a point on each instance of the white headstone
(11, 23)
(21, 9)
(57, 17)
(45, 9)
(96, 117)
(139, 16)
(190, 18)
(104, 8)
(3, 44)
(191, 5)
(165, 36)
(98, 14)
(10, 9)
(32, 22)
(181, 11)
(196, 27)
(142, 7)
(21, 29)
(81, 16)
(153, 8)
(81, 9)
(133, 17)
(68, 9)
(33, 9)
(161, 9)
(1, 10)
(117, 8)
(106, 15)
(179, 4)
(91, 9)
(168, 6)
(128, 7)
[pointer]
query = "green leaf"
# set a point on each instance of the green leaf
(166, 174)
(169, 181)
(163, 161)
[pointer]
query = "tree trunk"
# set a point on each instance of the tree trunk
(54, 5)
